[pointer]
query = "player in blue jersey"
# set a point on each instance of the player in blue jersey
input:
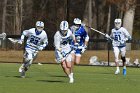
(37, 40)
(82, 39)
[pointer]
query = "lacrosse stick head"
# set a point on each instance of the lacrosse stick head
(117, 23)
(13, 40)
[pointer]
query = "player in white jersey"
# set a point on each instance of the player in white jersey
(37, 40)
(63, 49)
(119, 36)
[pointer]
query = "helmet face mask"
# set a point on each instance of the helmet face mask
(64, 26)
(117, 23)
(39, 26)
(64, 32)
(77, 23)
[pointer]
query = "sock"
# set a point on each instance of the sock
(118, 68)
(124, 67)
(70, 75)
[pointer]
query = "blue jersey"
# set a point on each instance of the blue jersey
(80, 35)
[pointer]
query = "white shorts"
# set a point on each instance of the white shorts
(117, 50)
(30, 54)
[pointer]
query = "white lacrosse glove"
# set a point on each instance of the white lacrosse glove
(63, 54)
(59, 49)
(40, 48)
(76, 45)
(20, 41)
(107, 36)
(83, 49)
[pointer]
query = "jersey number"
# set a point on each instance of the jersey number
(117, 37)
(34, 40)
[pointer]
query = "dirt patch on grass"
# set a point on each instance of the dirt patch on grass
(49, 57)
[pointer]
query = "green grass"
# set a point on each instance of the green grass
(50, 78)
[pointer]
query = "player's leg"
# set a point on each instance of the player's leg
(28, 58)
(116, 54)
(123, 52)
(77, 56)
(69, 65)
(65, 68)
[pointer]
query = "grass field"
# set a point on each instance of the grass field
(49, 78)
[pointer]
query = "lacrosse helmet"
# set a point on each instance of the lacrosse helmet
(77, 21)
(39, 26)
(64, 26)
(118, 23)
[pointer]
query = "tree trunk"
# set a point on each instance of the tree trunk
(108, 21)
(18, 17)
(128, 22)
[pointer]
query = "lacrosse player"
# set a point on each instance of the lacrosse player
(82, 39)
(63, 49)
(37, 40)
(119, 36)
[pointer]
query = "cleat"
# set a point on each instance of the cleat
(117, 72)
(22, 74)
(71, 78)
(40, 64)
(124, 72)
(22, 71)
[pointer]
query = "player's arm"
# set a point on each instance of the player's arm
(84, 47)
(44, 43)
(57, 41)
(24, 33)
(127, 35)
(86, 38)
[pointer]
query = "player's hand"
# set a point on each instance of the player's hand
(84, 49)
(40, 48)
(63, 54)
(75, 46)
(20, 41)
(107, 36)
(59, 49)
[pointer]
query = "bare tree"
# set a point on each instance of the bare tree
(129, 17)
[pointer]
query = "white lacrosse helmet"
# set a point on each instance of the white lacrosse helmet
(118, 23)
(77, 21)
(39, 25)
(64, 26)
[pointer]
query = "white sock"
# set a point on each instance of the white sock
(124, 67)
(70, 75)
(118, 68)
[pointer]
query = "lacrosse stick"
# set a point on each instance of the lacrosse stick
(14, 40)
(106, 35)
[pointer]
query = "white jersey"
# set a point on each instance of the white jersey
(63, 42)
(35, 40)
(120, 36)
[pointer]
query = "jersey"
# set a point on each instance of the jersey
(35, 39)
(63, 42)
(120, 36)
(80, 35)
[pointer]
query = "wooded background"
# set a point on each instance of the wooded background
(18, 15)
